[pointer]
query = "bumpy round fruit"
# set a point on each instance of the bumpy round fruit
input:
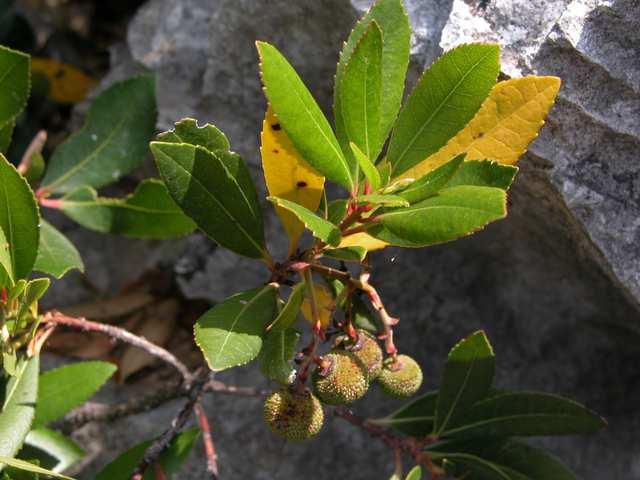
(344, 380)
(401, 378)
(293, 415)
(366, 348)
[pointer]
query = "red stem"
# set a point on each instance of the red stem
(207, 439)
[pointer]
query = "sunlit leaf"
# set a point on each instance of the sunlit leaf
(64, 450)
(321, 228)
(277, 353)
(56, 254)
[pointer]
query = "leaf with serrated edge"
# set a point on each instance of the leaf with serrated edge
(370, 171)
(15, 83)
(56, 254)
(203, 184)
(361, 95)
(18, 408)
(289, 312)
(508, 120)
(453, 213)
(19, 218)
(149, 212)
(288, 176)
(188, 131)
(231, 333)
(112, 142)
(53, 443)
(321, 228)
(467, 378)
(6, 134)
(66, 387)
(433, 182)
(277, 353)
(445, 99)
(301, 117)
(484, 173)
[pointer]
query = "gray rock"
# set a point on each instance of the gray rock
(556, 285)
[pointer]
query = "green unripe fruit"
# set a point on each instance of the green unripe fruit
(401, 378)
(293, 415)
(344, 378)
(366, 348)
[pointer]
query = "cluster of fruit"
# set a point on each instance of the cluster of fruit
(342, 376)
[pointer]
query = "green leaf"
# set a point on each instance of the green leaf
(415, 473)
(149, 212)
(363, 317)
(524, 414)
(112, 142)
(206, 190)
(33, 291)
(445, 99)
(337, 210)
(277, 353)
(188, 131)
(392, 19)
(53, 443)
(30, 467)
(432, 182)
(289, 312)
(36, 169)
(484, 173)
(370, 171)
(415, 418)
(380, 199)
(347, 254)
(360, 89)
(6, 134)
(321, 228)
(301, 117)
(230, 334)
(56, 254)
(467, 378)
(19, 219)
(14, 83)
(67, 387)
(453, 213)
(170, 460)
(18, 410)
(482, 469)
(6, 265)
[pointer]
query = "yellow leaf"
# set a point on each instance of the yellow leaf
(324, 302)
(67, 84)
(362, 239)
(288, 176)
(508, 120)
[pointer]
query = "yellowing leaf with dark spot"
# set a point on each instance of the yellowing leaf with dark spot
(67, 84)
(325, 304)
(508, 120)
(362, 239)
(288, 176)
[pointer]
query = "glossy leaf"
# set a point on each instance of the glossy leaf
(507, 122)
(301, 117)
(363, 240)
(337, 210)
(524, 413)
(360, 88)
(289, 312)
(392, 19)
(112, 142)
(206, 189)
(170, 460)
(149, 212)
(18, 408)
(453, 213)
(380, 199)
(19, 219)
(370, 171)
(347, 254)
(432, 182)
(56, 254)
(415, 418)
(321, 228)
(67, 84)
(64, 388)
(467, 378)
(288, 176)
(65, 451)
(188, 131)
(277, 354)
(30, 467)
(324, 302)
(445, 99)
(6, 265)
(415, 473)
(14, 83)
(231, 333)
(484, 173)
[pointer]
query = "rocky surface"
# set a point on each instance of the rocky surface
(556, 285)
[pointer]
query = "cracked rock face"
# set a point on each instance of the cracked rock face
(556, 285)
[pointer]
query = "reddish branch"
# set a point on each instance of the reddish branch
(35, 147)
(207, 438)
